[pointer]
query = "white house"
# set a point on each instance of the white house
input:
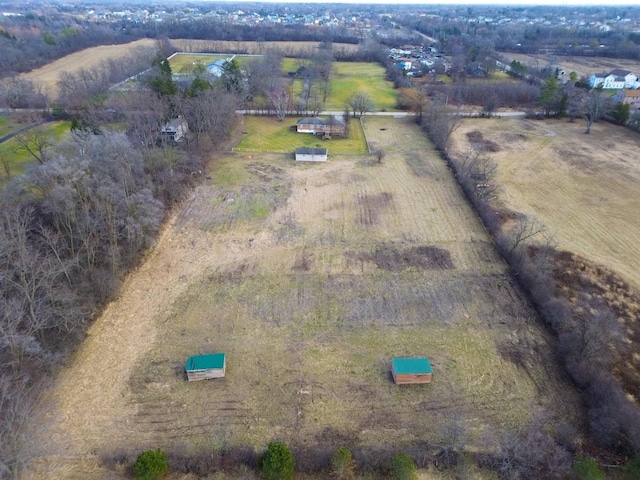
(175, 130)
(217, 68)
(309, 154)
(615, 80)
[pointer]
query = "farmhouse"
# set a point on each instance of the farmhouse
(615, 80)
(631, 97)
(217, 68)
(203, 367)
(308, 154)
(332, 125)
(411, 370)
(175, 130)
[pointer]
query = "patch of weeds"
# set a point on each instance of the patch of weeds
(388, 257)
(417, 165)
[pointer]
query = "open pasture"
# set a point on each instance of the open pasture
(582, 65)
(185, 62)
(292, 49)
(354, 262)
(352, 77)
(48, 75)
(267, 134)
(584, 188)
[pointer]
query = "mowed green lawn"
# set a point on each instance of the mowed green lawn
(267, 134)
(19, 160)
(185, 63)
(352, 77)
(6, 126)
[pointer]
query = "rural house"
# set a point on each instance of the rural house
(631, 97)
(203, 367)
(332, 125)
(309, 154)
(217, 68)
(411, 370)
(175, 130)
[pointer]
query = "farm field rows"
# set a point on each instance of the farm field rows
(346, 264)
(267, 134)
(88, 58)
(256, 48)
(584, 188)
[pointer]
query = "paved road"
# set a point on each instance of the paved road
(391, 114)
(24, 129)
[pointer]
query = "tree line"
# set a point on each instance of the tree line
(589, 336)
(81, 216)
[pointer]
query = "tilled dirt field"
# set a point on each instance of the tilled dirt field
(310, 278)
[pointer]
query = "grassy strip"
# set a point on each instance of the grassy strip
(266, 134)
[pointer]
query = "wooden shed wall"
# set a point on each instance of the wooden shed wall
(193, 375)
(403, 378)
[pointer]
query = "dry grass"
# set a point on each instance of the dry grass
(583, 66)
(48, 75)
(582, 187)
(308, 319)
(260, 48)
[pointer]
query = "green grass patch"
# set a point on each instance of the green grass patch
(267, 134)
(352, 77)
(229, 174)
(19, 160)
(186, 62)
(290, 64)
(6, 127)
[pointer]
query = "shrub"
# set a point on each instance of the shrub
(585, 468)
(151, 465)
(403, 468)
(278, 462)
(631, 469)
(342, 464)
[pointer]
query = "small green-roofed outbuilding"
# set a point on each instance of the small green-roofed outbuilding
(202, 367)
(411, 370)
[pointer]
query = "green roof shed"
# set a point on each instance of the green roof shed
(411, 370)
(202, 367)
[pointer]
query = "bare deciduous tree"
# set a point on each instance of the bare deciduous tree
(35, 142)
(594, 106)
(281, 100)
(360, 103)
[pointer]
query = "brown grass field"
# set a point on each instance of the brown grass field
(354, 262)
(584, 188)
(222, 46)
(583, 66)
(48, 75)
